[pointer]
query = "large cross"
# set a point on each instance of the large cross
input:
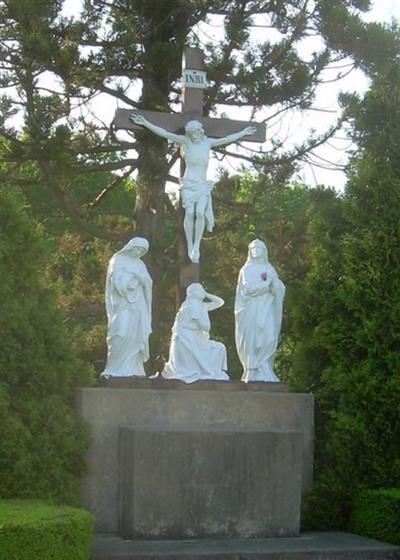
(194, 81)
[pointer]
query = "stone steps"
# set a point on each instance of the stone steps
(309, 546)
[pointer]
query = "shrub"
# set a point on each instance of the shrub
(33, 530)
(42, 443)
(376, 514)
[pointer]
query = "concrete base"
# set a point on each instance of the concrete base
(309, 546)
(190, 483)
(225, 405)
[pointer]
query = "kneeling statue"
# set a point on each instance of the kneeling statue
(193, 356)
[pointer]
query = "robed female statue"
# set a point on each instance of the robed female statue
(128, 306)
(193, 356)
(258, 314)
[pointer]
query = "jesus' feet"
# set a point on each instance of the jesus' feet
(195, 255)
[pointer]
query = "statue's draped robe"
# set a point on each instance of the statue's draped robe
(128, 306)
(258, 314)
(194, 186)
(193, 356)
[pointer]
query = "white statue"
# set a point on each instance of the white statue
(193, 356)
(195, 188)
(258, 314)
(128, 306)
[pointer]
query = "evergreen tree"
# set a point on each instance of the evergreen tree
(116, 49)
(350, 317)
(42, 443)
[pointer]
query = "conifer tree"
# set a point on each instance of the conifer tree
(42, 443)
(350, 316)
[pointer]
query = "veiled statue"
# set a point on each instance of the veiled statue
(128, 306)
(258, 314)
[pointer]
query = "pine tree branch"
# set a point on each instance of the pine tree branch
(72, 211)
(112, 166)
(118, 95)
(108, 149)
(297, 153)
(115, 183)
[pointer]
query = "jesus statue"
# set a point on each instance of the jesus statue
(194, 187)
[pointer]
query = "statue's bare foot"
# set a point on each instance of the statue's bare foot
(195, 255)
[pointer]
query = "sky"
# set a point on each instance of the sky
(297, 125)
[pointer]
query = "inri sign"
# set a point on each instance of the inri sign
(194, 79)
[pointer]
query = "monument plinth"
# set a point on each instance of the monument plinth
(254, 443)
(192, 482)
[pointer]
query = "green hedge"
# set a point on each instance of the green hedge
(43, 442)
(33, 530)
(376, 514)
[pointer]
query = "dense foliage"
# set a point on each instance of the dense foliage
(376, 514)
(31, 529)
(349, 315)
(41, 442)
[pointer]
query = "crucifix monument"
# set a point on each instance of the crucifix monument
(158, 459)
(201, 134)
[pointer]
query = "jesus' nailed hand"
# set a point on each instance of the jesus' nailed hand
(195, 188)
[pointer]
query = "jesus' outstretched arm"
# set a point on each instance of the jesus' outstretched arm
(142, 121)
(249, 130)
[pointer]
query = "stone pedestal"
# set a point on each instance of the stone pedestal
(184, 482)
(249, 446)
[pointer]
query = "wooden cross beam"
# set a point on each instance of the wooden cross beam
(192, 108)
